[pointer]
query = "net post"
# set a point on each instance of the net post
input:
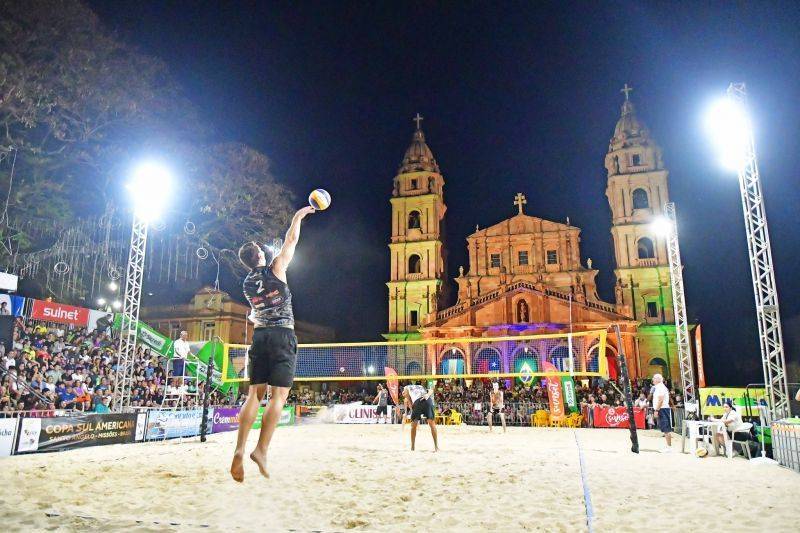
(626, 388)
(206, 397)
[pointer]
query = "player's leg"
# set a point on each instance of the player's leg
(489, 417)
(272, 415)
(503, 420)
(413, 433)
(247, 416)
(432, 425)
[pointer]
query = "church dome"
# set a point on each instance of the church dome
(629, 129)
(418, 156)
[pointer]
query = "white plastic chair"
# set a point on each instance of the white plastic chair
(729, 442)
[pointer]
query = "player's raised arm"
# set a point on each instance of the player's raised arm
(284, 257)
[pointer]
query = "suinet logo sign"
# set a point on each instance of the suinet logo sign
(63, 314)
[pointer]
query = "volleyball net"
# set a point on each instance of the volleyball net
(523, 357)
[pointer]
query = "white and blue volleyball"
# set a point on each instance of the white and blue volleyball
(319, 199)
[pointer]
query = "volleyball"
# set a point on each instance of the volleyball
(701, 452)
(319, 199)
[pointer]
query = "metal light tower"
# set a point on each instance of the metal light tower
(149, 188)
(763, 273)
(670, 233)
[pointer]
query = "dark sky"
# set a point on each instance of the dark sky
(516, 97)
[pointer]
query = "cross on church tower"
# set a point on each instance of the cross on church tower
(519, 201)
(418, 119)
(626, 90)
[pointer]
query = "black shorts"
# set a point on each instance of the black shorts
(273, 356)
(178, 367)
(496, 410)
(382, 410)
(422, 407)
(664, 422)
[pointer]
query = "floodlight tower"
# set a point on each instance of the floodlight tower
(734, 136)
(667, 227)
(149, 188)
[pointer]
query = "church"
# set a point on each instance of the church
(526, 275)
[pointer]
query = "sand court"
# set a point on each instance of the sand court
(329, 477)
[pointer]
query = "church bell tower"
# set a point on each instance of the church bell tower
(418, 257)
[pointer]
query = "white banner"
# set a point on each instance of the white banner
(8, 430)
(141, 424)
(29, 434)
(171, 424)
(101, 320)
(356, 413)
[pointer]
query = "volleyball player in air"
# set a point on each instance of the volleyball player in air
(272, 355)
(419, 402)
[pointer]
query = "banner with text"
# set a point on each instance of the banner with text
(147, 335)
(59, 313)
(554, 391)
(713, 398)
(617, 417)
(165, 424)
(8, 432)
(227, 418)
(69, 432)
(355, 413)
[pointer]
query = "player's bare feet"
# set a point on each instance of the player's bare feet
(261, 461)
(237, 468)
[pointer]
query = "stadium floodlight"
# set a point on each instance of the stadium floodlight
(113, 286)
(731, 132)
(117, 304)
(150, 187)
(101, 301)
(371, 369)
(665, 226)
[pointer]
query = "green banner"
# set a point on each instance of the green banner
(713, 398)
(147, 335)
(570, 401)
(526, 366)
(287, 417)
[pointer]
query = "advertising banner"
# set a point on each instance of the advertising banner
(60, 313)
(69, 432)
(227, 418)
(141, 426)
(14, 305)
(164, 424)
(100, 320)
(391, 383)
(152, 338)
(554, 391)
(713, 398)
(8, 432)
(617, 417)
(570, 401)
(355, 413)
(698, 349)
(287, 417)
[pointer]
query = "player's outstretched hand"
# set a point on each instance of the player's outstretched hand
(307, 210)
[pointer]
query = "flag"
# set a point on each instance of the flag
(391, 383)
(554, 392)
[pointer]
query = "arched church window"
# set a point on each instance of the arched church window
(414, 264)
(413, 220)
(644, 248)
(522, 312)
(640, 200)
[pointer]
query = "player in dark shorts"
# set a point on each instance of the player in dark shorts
(382, 401)
(420, 403)
(272, 355)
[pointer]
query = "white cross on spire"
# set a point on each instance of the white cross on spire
(626, 90)
(519, 201)
(418, 119)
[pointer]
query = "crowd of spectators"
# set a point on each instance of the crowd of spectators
(57, 368)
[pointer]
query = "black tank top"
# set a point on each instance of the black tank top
(270, 299)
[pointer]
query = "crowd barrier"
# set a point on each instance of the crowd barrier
(786, 442)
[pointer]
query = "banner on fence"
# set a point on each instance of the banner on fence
(355, 413)
(8, 432)
(713, 398)
(164, 424)
(80, 431)
(287, 417)
(227, 418)
(617, 417)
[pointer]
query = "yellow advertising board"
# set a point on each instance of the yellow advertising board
(713, 398)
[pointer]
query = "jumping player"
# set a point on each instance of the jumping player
(382, 401)
(274, 348)
(419, 402)
(496, 406)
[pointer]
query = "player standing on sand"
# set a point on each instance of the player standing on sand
(496, 405)
(273, 353)
(382, 401)
(419, 402)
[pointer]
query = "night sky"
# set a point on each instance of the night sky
(516, 98)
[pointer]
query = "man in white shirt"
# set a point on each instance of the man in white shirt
(661, 409)
(181, 351)
(420, 403)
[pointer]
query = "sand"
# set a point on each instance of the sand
(364, 478)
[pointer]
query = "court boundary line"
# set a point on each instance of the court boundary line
(587, 497)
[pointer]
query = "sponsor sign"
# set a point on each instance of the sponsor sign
(227, 418)
(155, 340)
(287, 417)
(357, 414)
(698, 348)
(8, 432)
(713, 398)
(60, 313)
(554, 392)
(617, 417)
(141, 425)
(391, 383)
(165, 424)
(69, 432)
(570, 400)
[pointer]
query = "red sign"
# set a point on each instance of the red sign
(617, 417)
(63, 314)
(698, 345)
(554, 392)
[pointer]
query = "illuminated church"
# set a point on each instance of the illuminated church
(526, 275)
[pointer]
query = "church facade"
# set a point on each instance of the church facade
(526, 275)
